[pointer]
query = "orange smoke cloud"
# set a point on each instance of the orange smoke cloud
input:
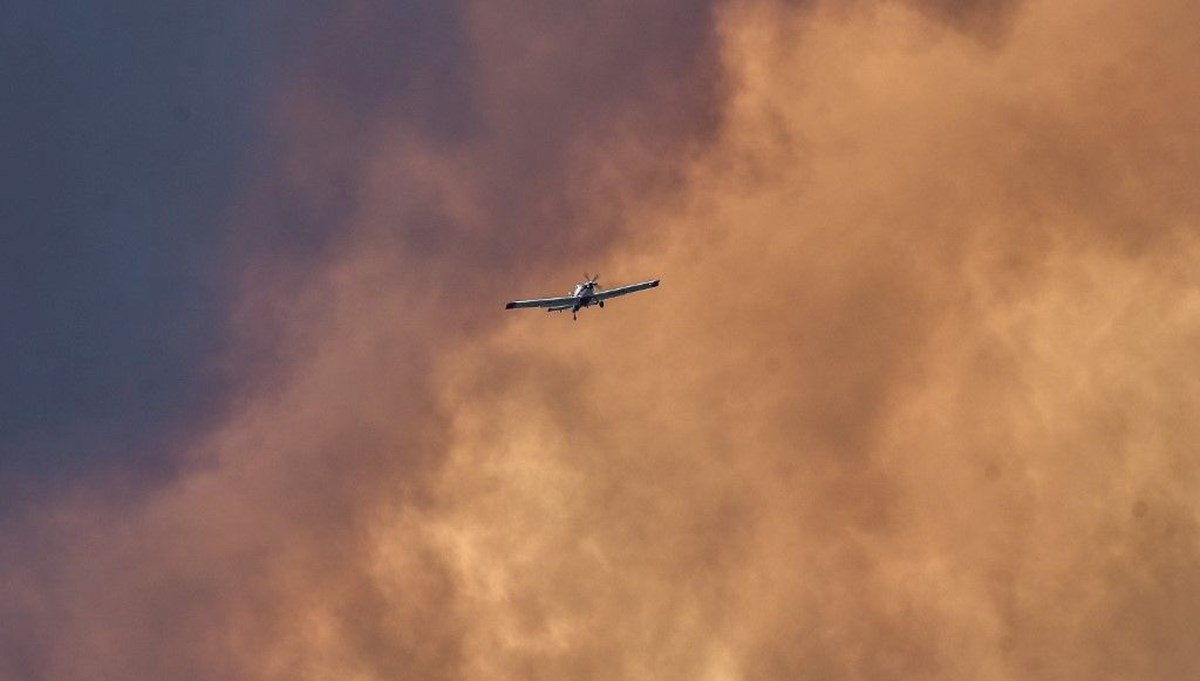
(911, 402)
(915, 399)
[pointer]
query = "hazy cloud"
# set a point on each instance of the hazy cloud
(914, 399)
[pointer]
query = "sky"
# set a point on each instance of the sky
(916, 399)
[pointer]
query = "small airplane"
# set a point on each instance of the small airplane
(583, 295)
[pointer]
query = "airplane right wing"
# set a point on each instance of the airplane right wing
(622, 290)
(564, 302)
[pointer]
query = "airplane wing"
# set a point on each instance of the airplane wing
(567, 301)
(622, 290)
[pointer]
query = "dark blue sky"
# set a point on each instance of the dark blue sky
(133, 138)
(129, 135)
(126, 131)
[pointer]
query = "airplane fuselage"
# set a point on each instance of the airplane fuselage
(583, 295)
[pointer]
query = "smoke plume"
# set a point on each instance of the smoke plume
(916, 398)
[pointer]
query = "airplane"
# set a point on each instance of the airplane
(583, 295)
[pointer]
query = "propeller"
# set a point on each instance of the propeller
(591, 279)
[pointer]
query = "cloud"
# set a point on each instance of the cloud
(912, 401)
(912, 384)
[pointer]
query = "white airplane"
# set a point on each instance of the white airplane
(583, 295)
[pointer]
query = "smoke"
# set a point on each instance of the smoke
(914, 399)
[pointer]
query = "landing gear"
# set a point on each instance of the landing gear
(601, 304)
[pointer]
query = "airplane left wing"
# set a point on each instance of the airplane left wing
(567, 301)
(622, 290)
